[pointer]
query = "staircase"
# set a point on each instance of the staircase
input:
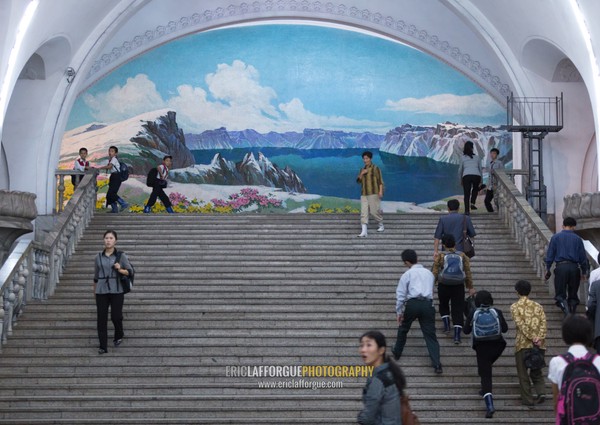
(213, 292)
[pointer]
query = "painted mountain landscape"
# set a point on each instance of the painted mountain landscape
(247, 134)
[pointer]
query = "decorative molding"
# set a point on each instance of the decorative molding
(329, 10)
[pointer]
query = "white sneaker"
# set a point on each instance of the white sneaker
(380, 228)
(363, 234)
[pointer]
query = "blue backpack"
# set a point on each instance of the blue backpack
(453, 272)
(486, 324)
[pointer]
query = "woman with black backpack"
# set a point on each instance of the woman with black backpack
(487, 324)
(109, 266)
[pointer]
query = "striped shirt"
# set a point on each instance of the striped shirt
(371, 181)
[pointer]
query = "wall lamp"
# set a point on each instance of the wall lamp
(71, 73)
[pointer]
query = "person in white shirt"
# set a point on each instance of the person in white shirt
(595, 274)
(114, 182)
(414, 300)
(494, 164)
(81, 164)
(158, 190)
(577, 334)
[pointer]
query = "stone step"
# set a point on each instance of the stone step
(252, 290)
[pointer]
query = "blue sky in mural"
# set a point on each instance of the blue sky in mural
(287, 78)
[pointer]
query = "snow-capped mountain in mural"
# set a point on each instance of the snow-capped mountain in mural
(310, 138)
(445, 141)
(249, 171)
(142, 141)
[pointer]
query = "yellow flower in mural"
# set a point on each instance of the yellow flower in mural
(136, 208)
(100, 203)
(314, 208)
(100, 183)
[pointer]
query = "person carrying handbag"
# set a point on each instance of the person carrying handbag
(108, 290)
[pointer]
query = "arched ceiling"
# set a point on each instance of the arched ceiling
(428, 25)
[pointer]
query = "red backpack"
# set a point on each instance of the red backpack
(579, 398)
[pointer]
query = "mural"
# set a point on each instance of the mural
(278, 122)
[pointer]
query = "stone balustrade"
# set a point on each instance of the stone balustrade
(33, 268)
(527, 227)
(17, 210)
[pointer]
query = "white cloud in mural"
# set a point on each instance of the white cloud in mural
(480, 105)
(235, 99)
(136, 96)
(300, 118)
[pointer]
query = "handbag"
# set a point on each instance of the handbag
(125, 284)
(468, 244)
(408, 416)
(534, 358)
(470, 306)
(126, 281)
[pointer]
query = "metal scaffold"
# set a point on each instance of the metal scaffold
(534, 118)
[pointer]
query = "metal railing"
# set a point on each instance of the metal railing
(33, 269)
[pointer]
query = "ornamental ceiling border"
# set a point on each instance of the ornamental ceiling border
(279, 9)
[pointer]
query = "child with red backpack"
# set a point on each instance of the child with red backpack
(575, 376)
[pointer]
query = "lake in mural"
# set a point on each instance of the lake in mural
(286, 114)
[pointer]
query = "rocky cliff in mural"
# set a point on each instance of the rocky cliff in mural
(164, 135)
(445, 142)
(142, 142)
(249, 171)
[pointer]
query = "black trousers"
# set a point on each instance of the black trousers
(489, 195)
(424, 311)
(114, 183)
(452, 298)
(470, 184)
(115, 302)
(487, 353)
(566, 283)
(158, 192)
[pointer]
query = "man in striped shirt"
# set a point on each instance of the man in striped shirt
(372, 192)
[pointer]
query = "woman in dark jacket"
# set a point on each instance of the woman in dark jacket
(381, 396)
(108, 290)
(487, 351)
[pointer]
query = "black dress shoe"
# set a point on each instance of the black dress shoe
(438, 369)
(102, 351)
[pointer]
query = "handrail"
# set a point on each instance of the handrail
(60, 187)
(16, 276)
(527, 227)
(33, 269)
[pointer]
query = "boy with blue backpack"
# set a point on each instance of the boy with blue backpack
(452, 271)
(487, 324)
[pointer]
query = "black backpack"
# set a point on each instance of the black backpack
(579, 397)
(123, 171)
(151, 177)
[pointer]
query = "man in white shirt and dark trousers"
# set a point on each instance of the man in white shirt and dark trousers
(162, 174)
(414, 300)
